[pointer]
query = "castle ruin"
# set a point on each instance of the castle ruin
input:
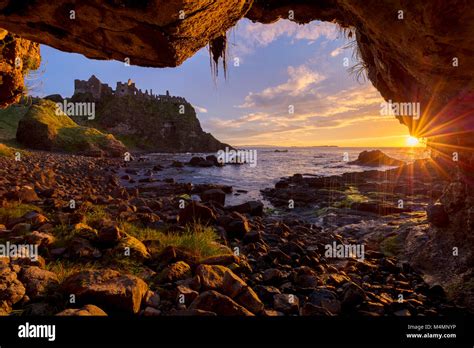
(98, 90)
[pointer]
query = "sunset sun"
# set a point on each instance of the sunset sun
(412, 141)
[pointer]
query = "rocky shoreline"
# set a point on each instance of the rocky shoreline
(107, 249)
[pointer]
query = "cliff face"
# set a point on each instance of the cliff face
(150, 124)
(17, 57)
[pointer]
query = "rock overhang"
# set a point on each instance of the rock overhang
(419, 52)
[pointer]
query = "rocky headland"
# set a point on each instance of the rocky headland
(142, 120)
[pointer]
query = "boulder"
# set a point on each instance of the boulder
(254, 208)
(130, 246)
(215, 195)
(40, 238)
(108, 289)
(196, 212)
(222, 279)
(236, 225)
(353, 295)
(87, 310)
(38, 281)
(325, 299)
(286, 303)
(375, 158)
(11, 289)
(109, 236)
(41, 128)
(174, 272)
(25, 194)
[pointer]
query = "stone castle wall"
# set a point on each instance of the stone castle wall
(98, 89)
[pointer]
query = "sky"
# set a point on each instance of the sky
(287, 85)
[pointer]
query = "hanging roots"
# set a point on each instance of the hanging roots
(217, 50)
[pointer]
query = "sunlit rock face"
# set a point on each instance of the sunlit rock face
(413, 51)
(157, 33)
(17, 57)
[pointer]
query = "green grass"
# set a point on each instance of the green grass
(9, 119)
(199, 240)
(45, 112)
(95, 214)
(65, 268)
(73, 139)
(391, 246)
(63, 234)
(14, 210)
(6, 151)
(352, 196)
(66, 134)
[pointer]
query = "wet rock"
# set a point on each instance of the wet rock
(87, 310)
(375, 158)
(215, 195)
(214, 160)
(38, 281)
(200, 162)
(108, 289)
(282, 184)
(196, 212)
(254, 208)
(377, 208)
(212, 301)
(177, 164)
